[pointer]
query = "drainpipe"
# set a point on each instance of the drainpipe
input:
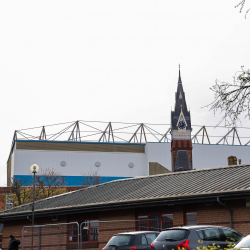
(28, 218)
(230, 211)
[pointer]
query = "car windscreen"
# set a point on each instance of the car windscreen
(245, 242)
(121, 240)
(173, 235)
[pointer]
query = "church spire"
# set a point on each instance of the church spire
(180, 107)
(179, 80)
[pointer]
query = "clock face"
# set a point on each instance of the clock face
(181, 125)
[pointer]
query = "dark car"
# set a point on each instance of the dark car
(131, 240)
(190, 237)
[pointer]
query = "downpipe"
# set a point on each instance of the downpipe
(28, 218)
(230, 211)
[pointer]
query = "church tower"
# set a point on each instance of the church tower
(181, 144)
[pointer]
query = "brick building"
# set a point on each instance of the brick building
(4, 193)
(145, 203)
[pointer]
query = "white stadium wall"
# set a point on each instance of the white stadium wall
(115, 165)
(159, 152)
(112, 165)
(213, 156)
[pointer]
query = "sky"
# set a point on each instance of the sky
(114, 60)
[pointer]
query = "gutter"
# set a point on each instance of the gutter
(230, 211)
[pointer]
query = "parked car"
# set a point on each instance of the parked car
(132, 240)
(244, 243)
(187, 237)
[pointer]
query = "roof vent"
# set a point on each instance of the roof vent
(131, 164)
(98, 164)
(63, 163)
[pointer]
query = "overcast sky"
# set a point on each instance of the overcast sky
(114, 60)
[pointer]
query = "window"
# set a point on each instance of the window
(176, 235)
(73, 233)
(200, 234)
(212, 234)
(121, 240)
(154, 221)
(143, 240)
(94, 230)
(89, 230)
(167, 221)
(150, 237)
(191, 218)
(143, 223)
(231, 235)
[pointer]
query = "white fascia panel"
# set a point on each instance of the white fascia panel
(79, 163)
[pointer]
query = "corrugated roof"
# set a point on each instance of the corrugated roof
(195, 183)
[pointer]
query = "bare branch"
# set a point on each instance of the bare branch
(91, 178)
(232, 100)
(241, 5)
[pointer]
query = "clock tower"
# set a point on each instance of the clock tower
(181, 144)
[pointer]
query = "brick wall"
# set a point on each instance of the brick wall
(15, 228)
(206, 215)
(178, 216)
(107, 230)
(219, 215)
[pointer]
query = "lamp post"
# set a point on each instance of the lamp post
(34, 169)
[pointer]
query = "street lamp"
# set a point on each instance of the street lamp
(34, 169)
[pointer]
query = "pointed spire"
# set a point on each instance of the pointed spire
(179, 80)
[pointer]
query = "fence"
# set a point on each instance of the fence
(52, 236)
(89, 234)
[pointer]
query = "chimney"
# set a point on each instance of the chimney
(232, 160)
(239, 161)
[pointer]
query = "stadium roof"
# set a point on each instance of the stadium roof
(171, 187)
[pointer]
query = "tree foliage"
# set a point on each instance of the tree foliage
(48, 183)
(232, 99)
(21, 193)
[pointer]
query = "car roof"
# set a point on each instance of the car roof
(138, 232)
(198, 227)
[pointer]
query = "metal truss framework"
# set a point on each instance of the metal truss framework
(118, 132)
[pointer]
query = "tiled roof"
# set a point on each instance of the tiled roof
(195, 183)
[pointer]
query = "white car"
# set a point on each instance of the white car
(244, 243)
